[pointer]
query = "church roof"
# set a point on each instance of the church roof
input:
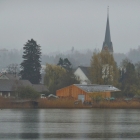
(107, 33)
(107, 44)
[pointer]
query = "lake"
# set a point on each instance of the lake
(71, 124)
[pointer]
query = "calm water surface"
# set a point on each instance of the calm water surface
(75, 124)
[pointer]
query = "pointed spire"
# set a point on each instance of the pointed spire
(107, 45)
(107, 33)
(108, 11)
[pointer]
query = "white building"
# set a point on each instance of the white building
(83, 74)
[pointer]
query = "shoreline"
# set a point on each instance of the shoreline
(67, 104)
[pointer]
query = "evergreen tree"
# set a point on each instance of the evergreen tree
(65, 63)
(31, 64)
(129, 80)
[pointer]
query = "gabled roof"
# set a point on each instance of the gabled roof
(6, 85)
(40, 88)
(97, 88)
(11, 85)
(85, 70)
(9, 76)
(25, 82)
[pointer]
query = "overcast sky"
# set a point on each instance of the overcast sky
(57, 25)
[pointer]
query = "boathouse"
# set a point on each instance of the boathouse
(86, 92)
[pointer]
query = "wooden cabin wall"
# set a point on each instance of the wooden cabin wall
(101, 94)
(108, 94)
(72, 91)
(64, 92)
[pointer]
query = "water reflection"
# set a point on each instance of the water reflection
(30, 119)
(56, 124)
(106, 126)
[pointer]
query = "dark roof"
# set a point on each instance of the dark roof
(11, 85)
(6, 85)
(107, 33)
(107, 42)
(39, 88)
(97, 88)
(25, 83)
(85, 70)
(10, 76)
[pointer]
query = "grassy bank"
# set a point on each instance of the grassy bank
(59, 103)
(7, 103)
(66, 103)
(117, 104)
(69, 104)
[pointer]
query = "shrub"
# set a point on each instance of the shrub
(27, 93)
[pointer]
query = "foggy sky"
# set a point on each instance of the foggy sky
(57, 25)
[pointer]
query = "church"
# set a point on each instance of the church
(107, 44)
(83, 72)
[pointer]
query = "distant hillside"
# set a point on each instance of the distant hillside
(77, 58)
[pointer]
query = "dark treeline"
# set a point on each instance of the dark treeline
(77, 58)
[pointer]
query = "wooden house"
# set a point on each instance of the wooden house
(86, 92)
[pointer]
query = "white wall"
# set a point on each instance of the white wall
(83, 78)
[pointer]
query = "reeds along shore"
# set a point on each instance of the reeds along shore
(70, 104)
(118, 104)
(59, 103)
(66, 103)
(7, 103)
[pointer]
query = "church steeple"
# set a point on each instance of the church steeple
(107, 44)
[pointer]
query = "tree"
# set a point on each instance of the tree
(129, 79)
(103, 69)
(57, 77)
(137, 66)
(27, 93)
(31, 64)
(52, 76)
(68, 79)
(13, 69)
(65, 63)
